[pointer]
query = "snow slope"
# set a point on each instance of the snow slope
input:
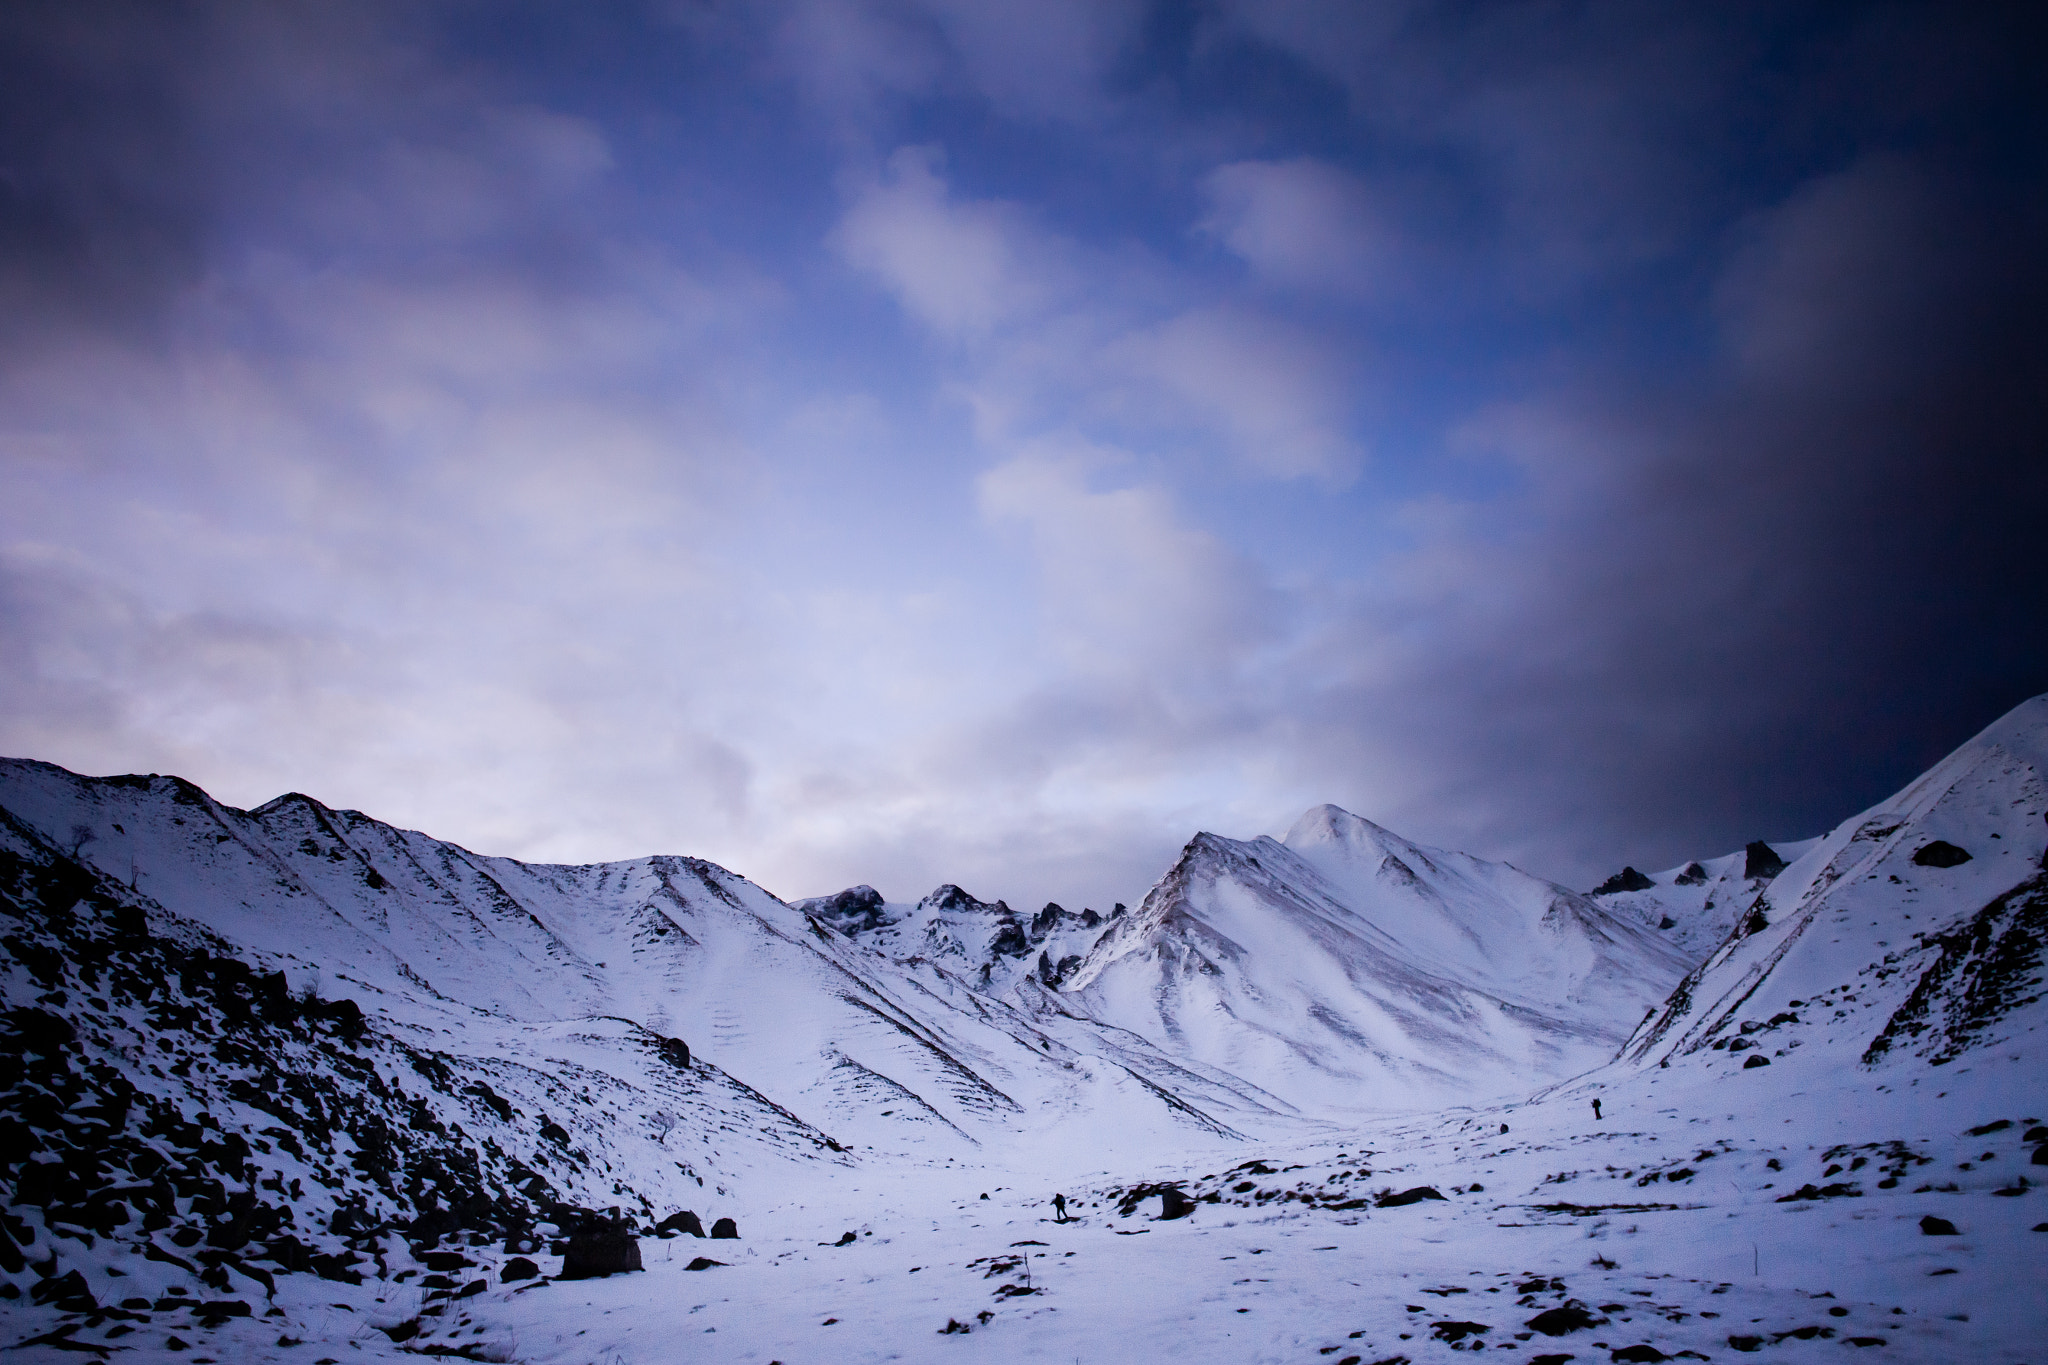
(1697, 903)
(441, 941)
(990, 945)
(1911, 932)
(1349, 970)
(1828, 1139)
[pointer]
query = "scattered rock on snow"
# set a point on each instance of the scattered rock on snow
(726, 1229)
(1406, 1197)
(606, 1249)
(1937, 1227)
(1940, 853)
(518, 1268)
(1628, 879)
(683, 1220)
(1570, 1316)
(1761, 860)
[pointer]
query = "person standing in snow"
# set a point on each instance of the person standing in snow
(1596, 1111)
(1059, 1206)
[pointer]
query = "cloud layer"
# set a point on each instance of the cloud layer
(869, 440)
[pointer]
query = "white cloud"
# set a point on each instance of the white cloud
(1048, 61)
(962, 268)
(1307, 225)
(1280, 396)
(1128, 586)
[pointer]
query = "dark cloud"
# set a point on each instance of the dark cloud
(1757, 598)
(1583, 432)
(103, 209)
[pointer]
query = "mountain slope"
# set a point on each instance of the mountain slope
(1697, 903)
(1913, 931)
(1348, 969)
(442, 942)
(990, 944)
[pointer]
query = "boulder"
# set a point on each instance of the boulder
(1940, 853)
(1406, 1197)
(1174, 1204)
(605, 1249)
(1759, 859)
(683, 1220)
(1937, 1227)
(518, 1268)
(1571, 1316)
(1628, 879)
(702, 1263)
(725, 1228)
(67, 1293)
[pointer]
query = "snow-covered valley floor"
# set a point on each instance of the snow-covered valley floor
(1558, 1212)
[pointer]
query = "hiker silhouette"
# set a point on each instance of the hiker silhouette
(1596, 1110)
(1059, 1206)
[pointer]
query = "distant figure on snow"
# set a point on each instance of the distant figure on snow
(1059, 1206)
(1596, 1111)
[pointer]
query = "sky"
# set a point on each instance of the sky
(910, 441)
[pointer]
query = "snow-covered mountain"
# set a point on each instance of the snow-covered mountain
(289, 1084)
(990, 945)
(1696, 904)
(1345, 968)
(1912, 931)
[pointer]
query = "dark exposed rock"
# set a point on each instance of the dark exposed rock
(675, 1052)
(1628, 879)
(1988, 966)
(605, 1249)
(702, 1263)
(725, 1229)
(1691, 875)
(214, 1312)
(1457, 1331)
(1756, 1061)
(1642, 1352)
(1570, 1316)
(1746, 1342)
(853, 911)
(67, 1293)
(1759, 859)
(1836, 1191)
(518, 1268)
(1940, 853)
(1406, 1197)
(683, 1220)
(1937, 1227)
(1174, 1203)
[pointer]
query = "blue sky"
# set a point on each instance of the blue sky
(914, 440)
